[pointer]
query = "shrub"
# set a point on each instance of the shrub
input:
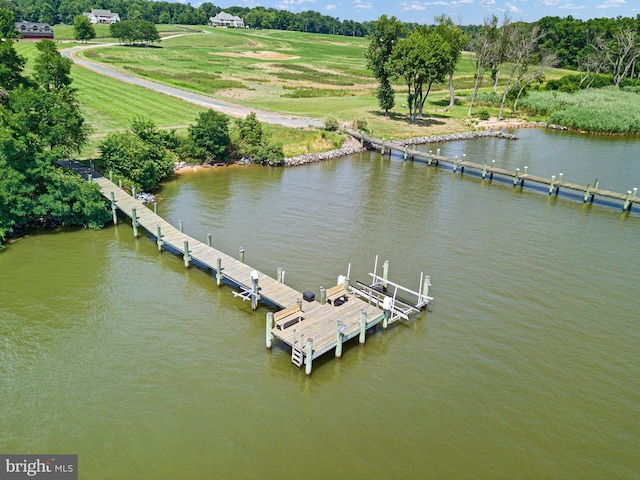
(331, 124)
(362, 124)
(483, 115)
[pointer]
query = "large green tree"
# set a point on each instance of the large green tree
(385, 33)
(82, 29)
(456, 39)
(40, 124)
(209, 137)
(420, 59)
(51, 70)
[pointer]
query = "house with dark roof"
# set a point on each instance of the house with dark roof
(34, 30)
(101, 16)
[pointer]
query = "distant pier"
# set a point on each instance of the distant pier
(488, 169)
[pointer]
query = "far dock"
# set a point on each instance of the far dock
(553, 184)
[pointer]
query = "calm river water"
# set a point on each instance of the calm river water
(525, 366)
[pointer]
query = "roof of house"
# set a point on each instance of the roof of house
(34, 28)
(226, 16)
(103, 13)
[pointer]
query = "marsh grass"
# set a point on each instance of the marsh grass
(602, 110)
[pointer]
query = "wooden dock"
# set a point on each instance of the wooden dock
(553, 184)
(309, 328)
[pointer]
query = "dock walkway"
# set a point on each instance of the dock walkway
(322, 326)
(554, 184)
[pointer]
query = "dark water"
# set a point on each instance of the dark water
(526, 365)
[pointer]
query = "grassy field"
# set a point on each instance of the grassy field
(314, 75)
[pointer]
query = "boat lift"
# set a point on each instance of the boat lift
(379, 293)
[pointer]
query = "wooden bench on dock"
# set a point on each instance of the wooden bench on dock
(287, 317)
(336, 292)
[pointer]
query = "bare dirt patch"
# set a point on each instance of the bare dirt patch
(258, 54)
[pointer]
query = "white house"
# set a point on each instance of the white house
(102, 16)
(223, 19)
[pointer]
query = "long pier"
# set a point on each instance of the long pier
(553, 184)
(309, 327)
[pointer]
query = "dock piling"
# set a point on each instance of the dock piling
(553, 180)
(269, 336)
(363, 327)
(209, 244)
(382, 151)
(186, 256)
(111, 176)
(515, 177)
(155, 208)
(484, 170)
(120, 183)
(339, 340)
(159, 237)
(385, 275)
(219, 272)
(133, 191)
(134, 222)
(89, 178)
(627, 203)
(430, 157)
(493, 165)
(181, 226)
(586, 193)
(114, 209)
(323, 295)
(254, 289)
(309, 356)
(242, 254)
(455, 164)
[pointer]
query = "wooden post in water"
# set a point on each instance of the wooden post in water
(382, 151)
(493, 165)
(363, 326)
(133, 191)
(455, 164)
(155, 207)
(114, 209)
(515, 178)
(89, 178)
(386, 307)
(323, 295)
(279, 275)
(553, 180)
(120, 183)
(181, 226)
(586, 194)
(309, 356)
(269, 337)
(159, 237)
(208, 239)
(405, 151)
(385, 275)
(241, 254)
(362, 140)
(425, 285)
(627, 203)
(218, 271)
(595, 185)
(339, 339)
(464, 159)
(254, 289)
(430, 157)
(484, 170)
(186, 256)
(134, 222)
(111, 176)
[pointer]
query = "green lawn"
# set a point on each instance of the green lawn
(314, 75)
